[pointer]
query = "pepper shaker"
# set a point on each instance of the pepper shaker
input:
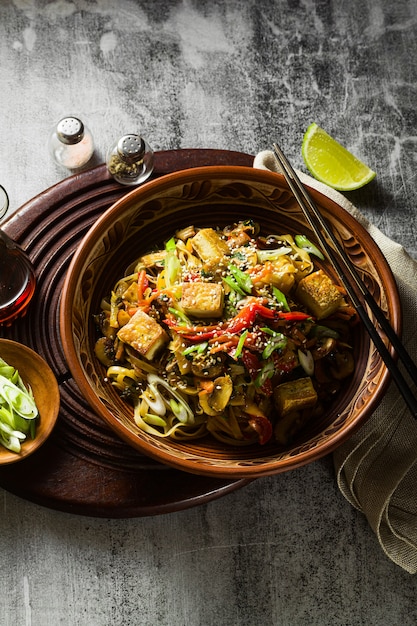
(130, 160)
(71, 143)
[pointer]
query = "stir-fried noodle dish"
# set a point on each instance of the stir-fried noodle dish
(229, 333)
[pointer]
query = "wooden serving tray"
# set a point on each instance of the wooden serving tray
(84, 468)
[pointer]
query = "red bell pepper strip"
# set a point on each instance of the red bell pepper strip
(142, 284)
(254, 366)
(262, 426)
(243, 320)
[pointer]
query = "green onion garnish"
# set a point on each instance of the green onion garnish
(305, 244)
(180, 316)
(170, 245)
(280, 298)
(240, 344)
(243, 280)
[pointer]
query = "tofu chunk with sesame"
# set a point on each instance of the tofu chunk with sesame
(210, 247)
(295, 395)
(319, 294)
(144, 334)
(202, 299)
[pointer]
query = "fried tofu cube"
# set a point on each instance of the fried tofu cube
(144, 334)
(131, 293)
(319, 294)
(153, 258)
(294, 396)
(210, 247)
(202, 299)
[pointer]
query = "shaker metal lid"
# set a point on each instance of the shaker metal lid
(131, 148)
(70, 130)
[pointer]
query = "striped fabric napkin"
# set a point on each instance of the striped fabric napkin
(376, 468)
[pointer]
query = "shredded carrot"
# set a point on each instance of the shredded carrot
(120, 351)
(207, 386)
(347, 313)
(223, 347)
(152, 296)
(142, 283)
(224, 338)
(260, 271)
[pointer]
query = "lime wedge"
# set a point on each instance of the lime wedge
(331, 163)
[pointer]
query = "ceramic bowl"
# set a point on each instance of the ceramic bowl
(216, 196)
(37, 375)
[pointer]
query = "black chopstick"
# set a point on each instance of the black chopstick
(351, 280)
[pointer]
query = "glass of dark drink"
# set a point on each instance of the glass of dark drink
(17, 280)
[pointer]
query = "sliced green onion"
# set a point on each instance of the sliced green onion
(240, 344)
(172, 268)
(18, 410)
(178, 410)
(153, 379)
(7, 370)
(268, 331)
(154, 399)
(242, 278)
(180, 316)
(19, 400)
(302, 242)
(170, 245)
(272, 255)
(280, 298)
(197, 347)
(154, 420)
(306, 362)
(278, 341)
(233, 285)
(324, 331)
(266, 372)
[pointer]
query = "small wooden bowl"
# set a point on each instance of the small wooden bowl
(36, 374)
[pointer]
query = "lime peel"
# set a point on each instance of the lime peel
(331, 163)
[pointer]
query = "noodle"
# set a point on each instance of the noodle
(227, 333)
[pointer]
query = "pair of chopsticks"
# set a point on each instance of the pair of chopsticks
(353, 284)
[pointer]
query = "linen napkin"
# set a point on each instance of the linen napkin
(376, 468)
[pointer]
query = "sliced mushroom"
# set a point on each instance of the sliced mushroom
(342, 364)
(177, 347)
(215, 401)
(207, 365)
(323, 347)
(104, 351)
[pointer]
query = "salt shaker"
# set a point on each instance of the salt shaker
(130, 160)
(71, 143)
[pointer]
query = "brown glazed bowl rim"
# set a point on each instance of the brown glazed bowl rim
(36, 373)
(190, 183)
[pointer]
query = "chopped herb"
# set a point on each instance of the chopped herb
(198, 347)
(278, 341)
(303, 243)
(281, 299)
(170, 245)
(233, 285)
(243, 280)
(240, 344)
(266, 372)
(180, 316)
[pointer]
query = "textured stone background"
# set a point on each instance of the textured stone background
(230, 74)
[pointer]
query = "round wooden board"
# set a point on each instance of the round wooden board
(84, 468)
